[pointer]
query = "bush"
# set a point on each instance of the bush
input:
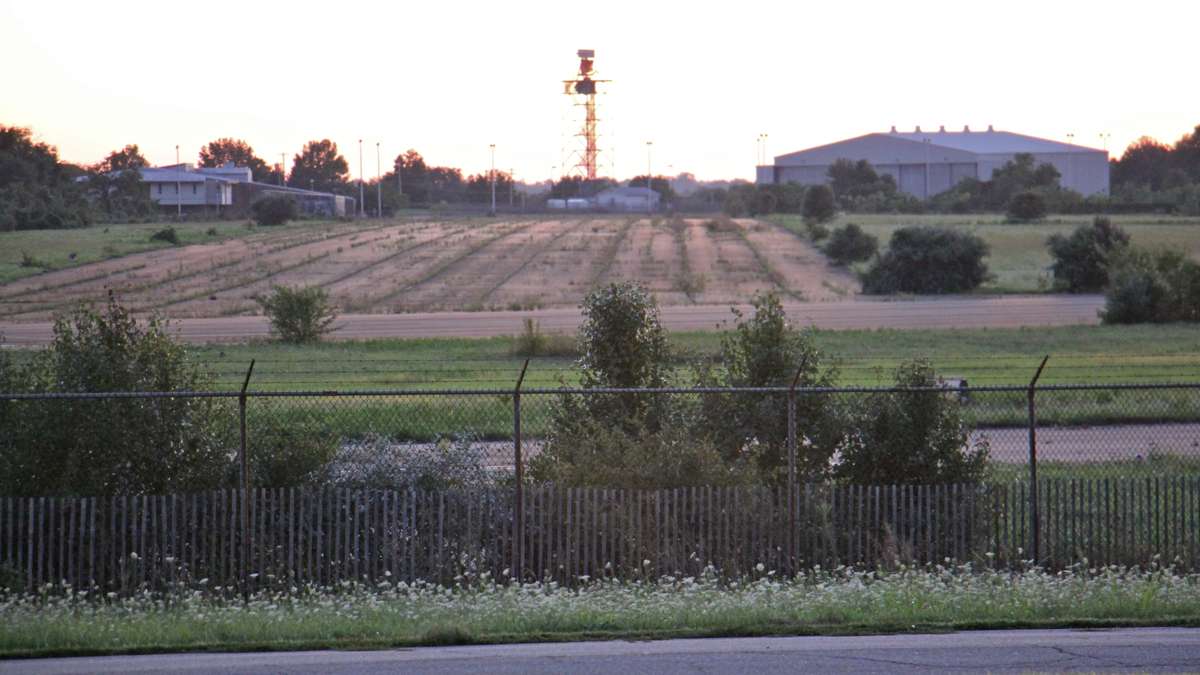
(167, 234)
(288, 452)
(818, 204)
(1147, 287)
(928, 260)
(299, 315)
(119, 445)
(374, 463)
(913, 437)
(32, 262)
(766, 351)
(850, 244)
(533, 342)
(816, 231)
(1081, 261)
(1026, 206)
(274, 210)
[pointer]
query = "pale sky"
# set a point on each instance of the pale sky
(700, 80)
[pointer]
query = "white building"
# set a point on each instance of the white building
(927, 163)
(190, 187)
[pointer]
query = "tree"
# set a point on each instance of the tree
(1143, 163)
(114, 445)
(1081, 260)
(915, 434)
(36, 190)
(660, 184)
(1152, 287)
(239, 153)
(479, 188)
(818, 204)
(850, 244)
(850, 180)
(274, 209)
(928, 260)
(128, 157)
(1186, 154)
(320, 167)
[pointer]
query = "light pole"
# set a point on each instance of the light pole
(1104, 136)
(1070, 158)
(178, 191)
(282, 167)
(378, 184)
(649, 187)
(492, 173)
(361, 211)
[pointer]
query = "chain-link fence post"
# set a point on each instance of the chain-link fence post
(519, 496)
(1036, 524)
(791, 480)
(244, 480)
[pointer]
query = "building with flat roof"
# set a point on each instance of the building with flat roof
(924, 164)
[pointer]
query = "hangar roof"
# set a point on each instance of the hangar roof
(990, 141)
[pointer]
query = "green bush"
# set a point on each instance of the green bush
(1081, 260)
(913, 437)
(299, 315)
(373, 463)
(928, 260)
(816, 231)
(288, 452)
(274, 210)
(1160, 287)
(1026, 207)
(531, 341)
(850, 244)
(819, 206)
(112, 445)
(167, 234)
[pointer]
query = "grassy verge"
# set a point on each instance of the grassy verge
(486, 611)
(1019, 259)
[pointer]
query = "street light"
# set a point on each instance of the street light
(361, 211)
(1070, 158)
(649, 189)
(492, 147)
(1104, 136)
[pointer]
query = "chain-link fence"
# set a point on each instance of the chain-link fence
(561, 482)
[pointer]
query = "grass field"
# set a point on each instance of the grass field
(484, 610)
(1018, 260)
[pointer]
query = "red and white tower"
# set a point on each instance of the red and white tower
(583, 90)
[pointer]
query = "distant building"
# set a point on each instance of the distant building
(626, 199)
(924, 164)
(231, 189)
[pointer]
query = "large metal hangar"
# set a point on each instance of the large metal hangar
(926, 163)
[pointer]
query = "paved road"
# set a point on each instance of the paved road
(957, 312)
(1145, 650)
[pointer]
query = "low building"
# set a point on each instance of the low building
(231, 190)
(924, 164)
(627, 199)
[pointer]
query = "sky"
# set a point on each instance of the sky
(700, 81)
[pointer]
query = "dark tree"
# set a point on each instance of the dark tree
(928, 260)
(818, 204)
(36, 191)
(128, 157)
(239, 153)
(660, 184)
(1081, 260)
(320, 167)
(1145, 163)
(850, 244)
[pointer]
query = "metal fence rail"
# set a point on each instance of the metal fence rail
(1115, 468)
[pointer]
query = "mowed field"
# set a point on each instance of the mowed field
(457, 264)
(1019, 261)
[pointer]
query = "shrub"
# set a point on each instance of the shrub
(374, 463)
(850, 244)
(1081, 260)
(734, 206)
(32, 262)
(928, 260)
(167, 234)
(818, 204)
(116, 445)
(1147, 287)
(1026, 206)
(816, 231)
(766, 351)
(274, 210)
(914, 437)
(299, 315)
(288, 452)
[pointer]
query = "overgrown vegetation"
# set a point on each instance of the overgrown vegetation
(850, 244)
(928, 260)
(274, 210)
(1081, 260)
(299, 315)
(819, 206)
(167, 235)
(1026, 207)
(1152, 287)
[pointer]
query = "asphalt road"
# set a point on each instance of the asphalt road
(1144, 650)
(954, 312)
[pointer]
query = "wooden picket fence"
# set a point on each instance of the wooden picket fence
(327, 536)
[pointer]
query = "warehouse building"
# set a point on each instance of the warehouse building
(926, 163)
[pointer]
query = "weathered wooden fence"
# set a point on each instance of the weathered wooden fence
(322, 537)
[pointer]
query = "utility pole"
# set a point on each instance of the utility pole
(282, 169)
(178, 191)
(648, 179)
(378, 184)
(512, 186)
(493, 176)
(361, 211)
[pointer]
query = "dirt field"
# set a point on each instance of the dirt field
(468, 264)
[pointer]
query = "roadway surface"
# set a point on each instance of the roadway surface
(951, 312)
(1143, 650)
